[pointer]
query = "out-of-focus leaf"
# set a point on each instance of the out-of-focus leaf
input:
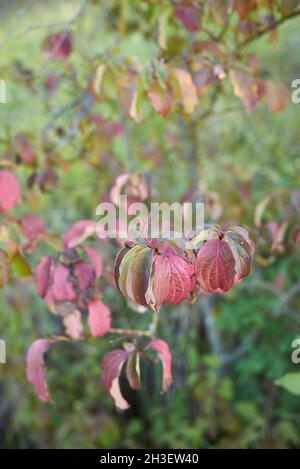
(277, 96)
(79, 232)
(290, 382)
(95, 260)
(3, 268)
(189, 14)
(111, 367)
(33, 226)
(161, 99)
(20, 266)
(73, 325)
(133, 374)
(9, 190)
(58, 46)
(35, 371)
(187, 89)
(162, 348)
(99, 318)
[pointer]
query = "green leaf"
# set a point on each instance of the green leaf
(290, 382)
(20, 266)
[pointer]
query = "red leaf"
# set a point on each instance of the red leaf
(215, 266)
(24, 149)
(32, 226)
(188, 14)
(99, 318)
(111, 366)
(58, 46)
(95, 260)
(85, 275)
(277, 96)
(161, 347)
(9, 190)
(43, 275)
(62, 288)
(161, 99)
(79, 232)
(172, 279)
(35, 372)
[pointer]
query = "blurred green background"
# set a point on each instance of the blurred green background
(241, 157)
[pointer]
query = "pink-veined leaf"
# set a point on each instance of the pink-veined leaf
(172, 279)
(35, 370)
(111, 366)
(99, 318)
(9, 190)
(215, 266)
(162, 348)
(79, 232)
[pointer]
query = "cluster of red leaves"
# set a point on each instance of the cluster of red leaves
(156, 274)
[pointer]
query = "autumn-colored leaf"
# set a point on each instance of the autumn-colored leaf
(85, 275)
(99, 318)
(187, 89)
(215, 266)
(161, 99)
(277, 96)
(3, 268)
(24, 148)
(161, 347)
(133, 271)
(33, 227)
(172, 280)
(73, 325)
(35, 371)
(20, 265)
(242, 249)
(62, 287)
(129, 100)
(79, 232)
(111, 367)
(189, 15)
(43, 274)
(58, 46)
(95, 259)
(133, 374)
(9, 190)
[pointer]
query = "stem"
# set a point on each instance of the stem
(154, 324)
(269, 29)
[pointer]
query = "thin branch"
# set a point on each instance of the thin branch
(67, 22)
(268, 29)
